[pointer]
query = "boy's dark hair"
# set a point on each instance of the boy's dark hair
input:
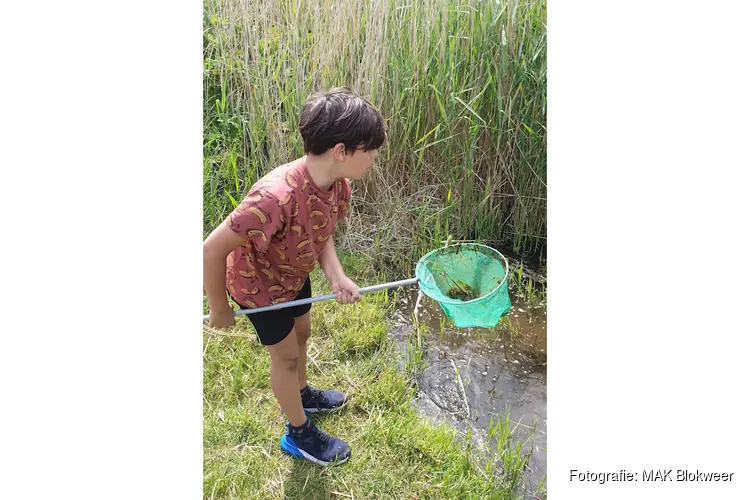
(340, 115)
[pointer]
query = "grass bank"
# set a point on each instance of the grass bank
(395, 453)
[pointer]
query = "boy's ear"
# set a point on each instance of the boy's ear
(339, 152)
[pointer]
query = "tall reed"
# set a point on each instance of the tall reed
(462, 85)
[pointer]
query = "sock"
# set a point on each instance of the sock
(300, 431)
(303, 392)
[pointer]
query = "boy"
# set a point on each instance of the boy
(270, 243)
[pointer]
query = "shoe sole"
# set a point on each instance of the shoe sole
(290, 448)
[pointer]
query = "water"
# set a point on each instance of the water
(499, 368)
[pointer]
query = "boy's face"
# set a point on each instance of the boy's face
(357, 164)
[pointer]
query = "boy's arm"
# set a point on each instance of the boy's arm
(219, 244)
(329, 262)
(346, 290)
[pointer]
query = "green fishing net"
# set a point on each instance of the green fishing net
(469, 281)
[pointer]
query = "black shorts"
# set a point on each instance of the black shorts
(273, 326)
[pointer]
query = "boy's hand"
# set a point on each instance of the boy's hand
(222, 318)
(347, 292)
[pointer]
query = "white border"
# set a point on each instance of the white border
(101, 266)
(647, 274)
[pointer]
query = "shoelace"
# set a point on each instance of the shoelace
(322, 435)
(314, 394)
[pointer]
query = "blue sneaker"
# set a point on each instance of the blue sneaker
(314, 445)
(317, 400)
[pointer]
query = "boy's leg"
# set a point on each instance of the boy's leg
(302, 328)
(285, 361)
(302, 438)
(313, 400)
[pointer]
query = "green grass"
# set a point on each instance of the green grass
(524, 287)
(396, 454)
(462, 85)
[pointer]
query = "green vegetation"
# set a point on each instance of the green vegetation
(462, 86)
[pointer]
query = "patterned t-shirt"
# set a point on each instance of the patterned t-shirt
(287, 220)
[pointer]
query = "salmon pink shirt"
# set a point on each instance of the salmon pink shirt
(287, 221)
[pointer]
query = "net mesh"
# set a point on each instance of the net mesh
(469, 281)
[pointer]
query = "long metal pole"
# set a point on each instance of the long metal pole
(374, 288)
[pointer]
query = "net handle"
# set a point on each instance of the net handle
(374, 288)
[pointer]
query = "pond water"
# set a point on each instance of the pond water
(499, 368)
